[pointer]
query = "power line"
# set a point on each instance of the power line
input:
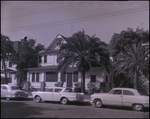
(86, 18)
(43, 11)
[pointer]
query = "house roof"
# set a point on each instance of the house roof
(47, 68)
(50, 68)
(50, 48)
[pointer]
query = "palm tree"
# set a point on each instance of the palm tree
(6, 48)
(134, 62)
(85, 52)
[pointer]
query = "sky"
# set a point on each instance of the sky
(44, 20)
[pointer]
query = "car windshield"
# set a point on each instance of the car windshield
(15, 88)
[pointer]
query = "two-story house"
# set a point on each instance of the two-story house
(46, 74)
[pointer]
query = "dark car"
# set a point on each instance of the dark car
(12, 91)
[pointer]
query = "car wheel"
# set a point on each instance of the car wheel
(64, 101)
(98, 103)
(137, 107)
(7, 98)
(37, 99)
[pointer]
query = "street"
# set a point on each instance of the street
(30, 109)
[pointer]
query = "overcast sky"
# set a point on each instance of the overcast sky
(43, 20)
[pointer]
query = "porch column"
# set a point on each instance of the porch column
(43, 84)
(59, 77)
(27, 87)
(79, 77)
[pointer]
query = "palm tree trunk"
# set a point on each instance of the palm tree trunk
(6, 80)
(83, 83)
(135, 79)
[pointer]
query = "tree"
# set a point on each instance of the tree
(26, 56)
(133, 60)
(85, 52)
(6, 49)
(120, 42)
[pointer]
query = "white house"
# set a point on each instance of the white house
(10, 67)
(46, 73)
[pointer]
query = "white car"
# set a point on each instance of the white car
(64, 95)
(9, 91)
(121, 97)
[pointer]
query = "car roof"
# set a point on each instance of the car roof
(56, 87)
(126, 89)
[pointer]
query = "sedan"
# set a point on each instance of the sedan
(121, 97)
(63, 95)
(12, 91)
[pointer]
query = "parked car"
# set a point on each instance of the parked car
(9, 91)
(121, 97)
(63, 95)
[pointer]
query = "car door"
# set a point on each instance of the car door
(57, 94)
(47, 95)
(128, 98)
(114, 97)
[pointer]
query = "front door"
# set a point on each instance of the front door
(69, 79)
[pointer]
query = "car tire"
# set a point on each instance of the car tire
(7, 98)
(137, 107)
(64, 101)
(98, 103)
(37, 99)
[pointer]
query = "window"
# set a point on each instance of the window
(116, 92)
(33, 77)
(64, 77)
(126, 92)
(49, 90)
(10, 64)
(93, 78)
(58, 90)
(68, 90)
(40, 59)
(51, 77)
(4, 88)
(45, 58)
(15, 88)
(75, 76)
(37, 77)
(106, 78)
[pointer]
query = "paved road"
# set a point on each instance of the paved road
(31, 109)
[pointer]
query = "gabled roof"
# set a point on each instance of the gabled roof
(49, 47)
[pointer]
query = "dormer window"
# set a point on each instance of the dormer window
(59, 42)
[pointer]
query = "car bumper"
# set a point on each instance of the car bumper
(91, 101)
(146, 105)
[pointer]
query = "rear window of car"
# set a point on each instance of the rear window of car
(127, 92)
(15, 88)
(68, 90)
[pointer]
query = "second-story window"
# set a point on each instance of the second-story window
(45, 58)
(40, 59)
(10, 64)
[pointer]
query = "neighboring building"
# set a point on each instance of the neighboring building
(10, 67)
(46, 73)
